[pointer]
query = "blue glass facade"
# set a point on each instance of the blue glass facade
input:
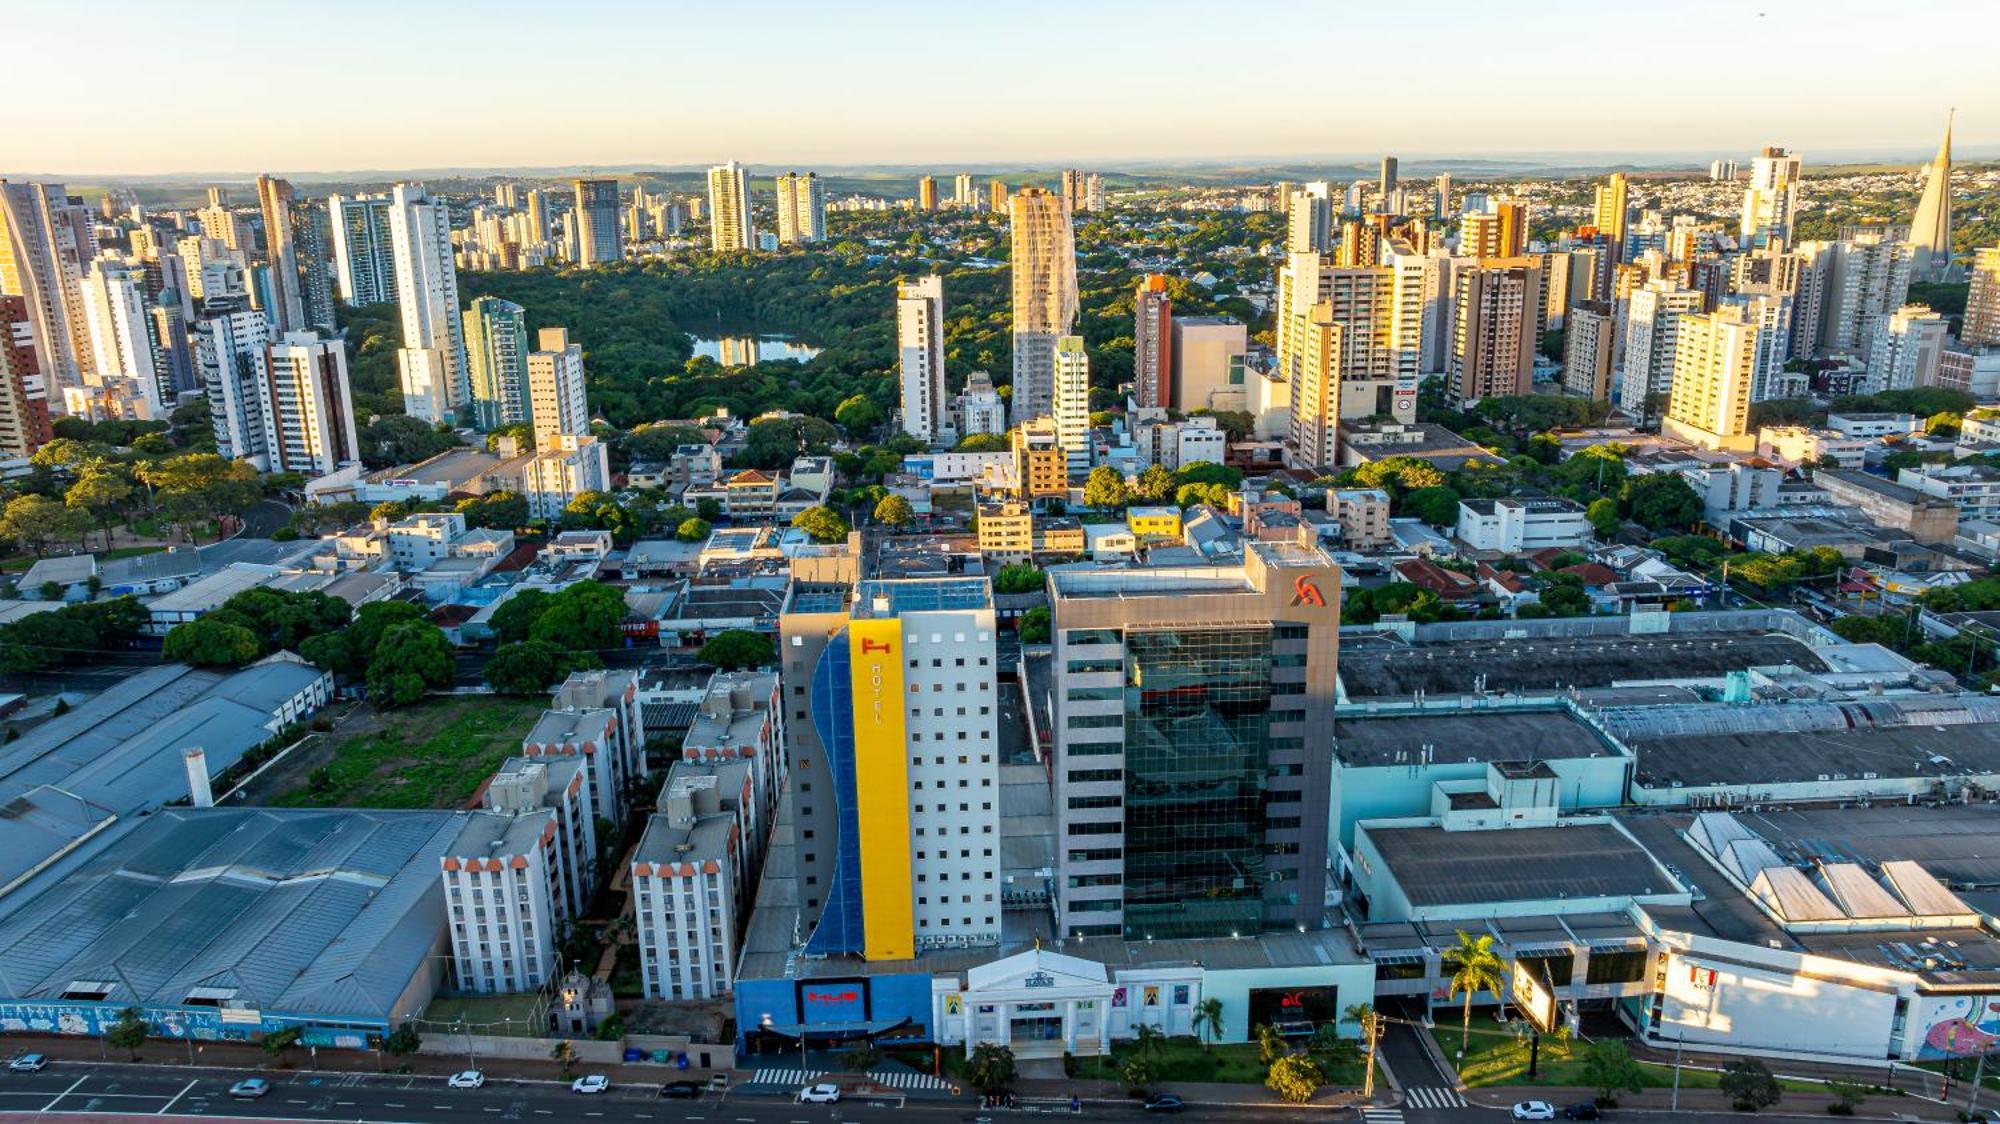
(840, 926)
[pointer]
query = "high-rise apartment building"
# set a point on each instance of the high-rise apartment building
(232, 360)
(1075, 189)
(1588, 334)
(557, 404)
(364, 256)
(24, 396)
(123, 352)
(1309, 219)
(1770, 203)
(920, 348)
(894, 759)
(1930, 226)
(1207, 366)
(1499, 233)
(1153, 343)
(1193, 713)
(997, 196)
(1652, 324)
(1496, 308)
(1869, 279)
(1441, 206)
(431, 364)
(1715, 362)
(1386, 184)
(287, 308)
(1044, 295)
(927, 195)
(502, 901)
(1909, 344)
(1071, 409)
(46, 244)
(963, 195)
(980, 407)
(729, 226)
(496, 362)
(1317, 353)
(1982, 303)
(801, 209)
(599, 240)
(538, 217)
(311, 406)
(1609, 209)
(1376, 365)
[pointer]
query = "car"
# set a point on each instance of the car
(467, 1079)
(718, 1082)
(1534, 1110)
(1582, 1110)
(28, 1063)
(250, 1088)
(1165, 1102)
(594, 1083)
(680, 1090)
(819, 1094)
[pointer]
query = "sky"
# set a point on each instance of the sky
(131, 87)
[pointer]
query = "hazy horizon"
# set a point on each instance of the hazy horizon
(901, 84)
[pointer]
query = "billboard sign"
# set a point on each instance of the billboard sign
(1535, 998)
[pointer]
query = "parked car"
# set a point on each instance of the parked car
(250, 1088)
(1165, 1102)
(718, 1083)
(467, 1079)
(594, 1083)
(1582, 1110)
(28, 1063)
(680, 1090)
(1534, 1110)
(819, 1094)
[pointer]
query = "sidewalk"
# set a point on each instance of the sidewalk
(1882, 1107)
(1234, 1094)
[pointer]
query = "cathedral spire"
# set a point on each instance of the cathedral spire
(1930, 227)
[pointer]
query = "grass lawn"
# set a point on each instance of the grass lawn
(1496, 1058)
(433, 755)
(519, 1015)
(1184, 1059)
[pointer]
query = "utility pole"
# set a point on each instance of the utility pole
(1678, 1039)
(1978, 1075)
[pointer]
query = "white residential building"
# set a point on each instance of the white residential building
(1071, 406)
(980, 407)
(587, 735)
(525, 785)
(1869, 279)
(310, 415)
(1652, 323)
(801, 209)
(1771, 202)
(1519, 526)
(1975, 488)
(432, 363)
(121, 337)
(424, 539)
(1908, 346)
(685, 894)
(556, 401)
(920, 343)
(559, 474)
(232, 361)
(500, 882)
(364, 256)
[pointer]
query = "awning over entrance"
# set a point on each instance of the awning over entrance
(833, 1030)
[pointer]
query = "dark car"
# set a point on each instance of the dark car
(680, 1090)
(1165, 1102)
(1584, 1111)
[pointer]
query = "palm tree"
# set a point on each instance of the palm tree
(1149, 1041)
(1208, 1019)
(1365, 1016)
(1474, 969)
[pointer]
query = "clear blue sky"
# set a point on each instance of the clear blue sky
(129, 86)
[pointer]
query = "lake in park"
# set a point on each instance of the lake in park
(742, 351)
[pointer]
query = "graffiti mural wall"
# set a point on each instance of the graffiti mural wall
(1956, 1026)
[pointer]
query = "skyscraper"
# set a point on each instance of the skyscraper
(1044, 295)
(1193, 735)
(1372, 366)
(801, 209)
(598, 237)
(1869, 279)
(1982, 304)
(43, 253)
(311, 407)
(729, 226)
(431, 363)
(1075, 187)
(1496, 304)
(1071, 410)
(997, 196)
(496, 362)
(963, 195)
(1608, 213)
(1499, 233)
(287, 309)
(1908, 346)
(1652, 323)
(1771, 202)
(1309, 219)
(1930, 227)
(232, 360)
(1153, 343)
(1587, 340)
(24, 399)
(1715, 359)
(538, 217)
(1387, 185)
(1443, 204)
(364, 256)
(920, 344)
(121, 334)
(927, 197)
(556, 398)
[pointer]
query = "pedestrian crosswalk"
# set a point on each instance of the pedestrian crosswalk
(1433, 1098)
(896, 1079)
(1382, 1116)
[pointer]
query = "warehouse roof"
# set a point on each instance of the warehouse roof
(1375, 668)
(1583, 859)
(328, 913)
(1452, 738)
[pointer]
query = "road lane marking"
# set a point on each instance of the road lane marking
(66, 1092)
(176, 1100)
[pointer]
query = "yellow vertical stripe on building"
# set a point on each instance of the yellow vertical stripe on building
(882, 789)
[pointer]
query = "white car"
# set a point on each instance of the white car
(1534, 1110)
(595, 1083)
(467, 1079)
(819, 1094)
(28, 1063)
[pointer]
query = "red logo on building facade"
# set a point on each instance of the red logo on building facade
(822, 997)
(1305, 592)
(868, 646)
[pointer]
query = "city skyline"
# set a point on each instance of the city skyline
(658, 116)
